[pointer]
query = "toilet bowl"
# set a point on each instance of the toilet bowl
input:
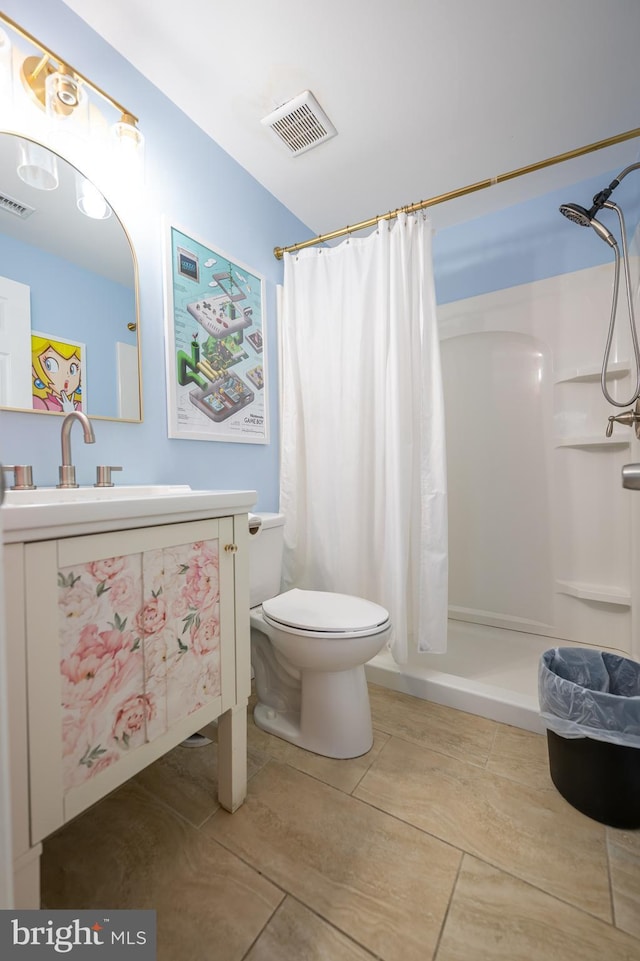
(308, 651)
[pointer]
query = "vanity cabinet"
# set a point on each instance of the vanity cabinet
(122, 643)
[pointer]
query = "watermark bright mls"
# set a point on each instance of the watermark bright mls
(100, 935)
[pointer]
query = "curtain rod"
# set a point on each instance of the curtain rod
(460, 192)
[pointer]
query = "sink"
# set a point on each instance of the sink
(72, 495)
(49, 512)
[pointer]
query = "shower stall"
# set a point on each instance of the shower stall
(544, 542)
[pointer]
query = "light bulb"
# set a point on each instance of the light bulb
(63, 95)
(90, 201)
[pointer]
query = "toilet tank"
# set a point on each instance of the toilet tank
(265, 557)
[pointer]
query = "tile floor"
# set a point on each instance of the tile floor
(447, 842)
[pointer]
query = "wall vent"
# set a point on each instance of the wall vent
(12, 206)
(300, 124)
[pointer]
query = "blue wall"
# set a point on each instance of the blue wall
(217, 201)
(530, 241)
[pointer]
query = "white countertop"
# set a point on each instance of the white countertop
(50, 513)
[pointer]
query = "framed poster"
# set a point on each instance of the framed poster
(58, 380)
(215, 344)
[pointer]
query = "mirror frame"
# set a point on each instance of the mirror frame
(136, 293)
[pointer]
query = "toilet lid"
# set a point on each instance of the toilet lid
(324, 611)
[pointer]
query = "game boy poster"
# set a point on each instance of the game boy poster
(215, 344)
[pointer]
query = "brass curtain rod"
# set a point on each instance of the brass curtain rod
(61, 61)
(460, 192)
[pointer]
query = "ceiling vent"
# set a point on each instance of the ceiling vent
(12, 206)
(301, 123)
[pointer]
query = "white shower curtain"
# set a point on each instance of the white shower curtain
(363, 474)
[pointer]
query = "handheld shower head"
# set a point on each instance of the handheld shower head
(602, 231)
(584, 218)
(587, 218)
(576, 214)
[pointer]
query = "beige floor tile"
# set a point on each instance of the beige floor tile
(628, 840)
(187, 778)
(530, 832)
(495, 917)
(296, 934)
(624, 864)
(381, 882)
(440, 728)
(521, 756)
(129, 851)
(342, 774)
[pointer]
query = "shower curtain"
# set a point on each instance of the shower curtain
(363, 474)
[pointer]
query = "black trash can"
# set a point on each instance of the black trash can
(590, 703)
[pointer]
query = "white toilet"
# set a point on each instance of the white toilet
(308, 651)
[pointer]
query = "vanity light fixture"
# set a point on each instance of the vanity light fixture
(67, 104)
(63, 93)
(128, 140)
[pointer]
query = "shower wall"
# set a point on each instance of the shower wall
(543, 539)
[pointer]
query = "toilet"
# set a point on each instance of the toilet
(308, 651)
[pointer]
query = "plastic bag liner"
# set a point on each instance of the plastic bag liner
(590, 693)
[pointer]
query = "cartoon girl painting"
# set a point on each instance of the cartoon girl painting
(56, 371)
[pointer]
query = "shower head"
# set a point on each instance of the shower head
(576, 214)
(585, 218)
(579, 215)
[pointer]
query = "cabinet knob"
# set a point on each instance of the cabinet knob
(231, 548)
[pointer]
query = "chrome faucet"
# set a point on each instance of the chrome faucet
(67, 472)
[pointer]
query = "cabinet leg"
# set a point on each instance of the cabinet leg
(232, 757)
(26, 879)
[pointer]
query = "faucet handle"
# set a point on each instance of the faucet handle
(628, 417)
(22, 476)
(103, 475)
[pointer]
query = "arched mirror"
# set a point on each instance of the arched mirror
(68, 291)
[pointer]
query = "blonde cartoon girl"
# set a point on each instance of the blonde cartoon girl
(56, 368)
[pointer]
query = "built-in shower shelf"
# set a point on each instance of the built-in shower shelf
(595, 592)
(591, 374)
(593, 442)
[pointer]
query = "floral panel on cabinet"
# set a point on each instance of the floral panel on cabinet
(140, 649)
(101, 664)
(181, 625)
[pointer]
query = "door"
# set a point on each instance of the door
(15, 344)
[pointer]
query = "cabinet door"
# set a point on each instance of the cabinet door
(128, 638)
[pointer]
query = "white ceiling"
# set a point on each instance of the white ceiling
(427, 95)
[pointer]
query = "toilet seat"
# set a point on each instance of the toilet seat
(323, 613)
